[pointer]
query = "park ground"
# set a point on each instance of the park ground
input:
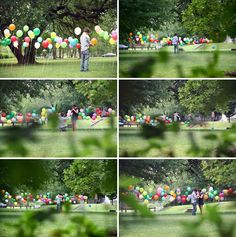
(193, 56)
(170, 222)
(100, 67)
(180, 143)
(95, 213)
(53, 143)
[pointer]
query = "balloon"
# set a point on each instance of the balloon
(9, 122)
(40, 39)
(12, 27)
(53, 35)
(112, 41)
(31, 34)
(59, 40)
(106, 37)
(45, 44)
(15, 44)
(63, 45)
(114, 36)
(26, 28)
(146, 201)
(77, 31)
(97, 28)
(27, 39)
(13, 38)
(78, 46)
(36, 31)
(94, 41)
(141, 190)
(37, 45)
(8, 41)
(57, 46)
(25, 44)
(6, 32)
(19, 33)
(50, 46)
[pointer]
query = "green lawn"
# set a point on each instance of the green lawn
(103, 220)
(193, 56)
(62, 144)
(60, 68)
(170, 222)
(180, 143)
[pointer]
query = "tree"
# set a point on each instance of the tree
(202, 97)
(204, 18)
(91, 177)
(98, 92)
(31, 173)
(220, 172)
(63, 16)
(138, 14)
(135, 95)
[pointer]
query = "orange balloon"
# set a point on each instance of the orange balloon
(12, 27)
(94, 41)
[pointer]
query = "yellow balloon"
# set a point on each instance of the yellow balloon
(112, 41)
(94, 41)
(57, 45)
(49, 40)
(53, 35)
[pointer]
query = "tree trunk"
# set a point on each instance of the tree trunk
(29, 54)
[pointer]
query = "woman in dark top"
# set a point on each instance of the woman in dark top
(74, 116)
(200, 200)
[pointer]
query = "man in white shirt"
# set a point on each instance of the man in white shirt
(85, 44)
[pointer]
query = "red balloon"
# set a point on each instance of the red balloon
(27, 39)
(230, 190)
(114, 36)
(13, 38)
(78, 46)
(66, 40)
(4, 115)
(45, 44)
(28, 114)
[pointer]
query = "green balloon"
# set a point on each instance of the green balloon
(26, 28)
(101, 33)
(3, 42)
(37, 31)
(63, 45)
(106, 37)
(8, 41)
(19, 33)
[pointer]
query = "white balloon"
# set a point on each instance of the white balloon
(15, 44)
(77, 31)
(6, 32)
(37, 45)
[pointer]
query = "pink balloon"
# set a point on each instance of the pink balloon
(27, 39)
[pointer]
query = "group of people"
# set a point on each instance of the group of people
(197, 198)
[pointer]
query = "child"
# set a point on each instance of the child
(85, 44)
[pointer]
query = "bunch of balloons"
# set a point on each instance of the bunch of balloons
(146, 119)
(24, 199)
(141, 39)
(166, 195)
(86, 114)
(105, 35)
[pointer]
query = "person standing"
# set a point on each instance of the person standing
(74, 117)
(200, 200)
(175, 42)
(85, 44)
(194, 201)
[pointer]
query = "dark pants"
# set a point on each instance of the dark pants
(176, 48)
(84, 60)
(194, 208)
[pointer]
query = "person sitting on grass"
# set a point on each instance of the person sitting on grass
(175, 42)
(85, 44)
(62, 122)
(74, 117)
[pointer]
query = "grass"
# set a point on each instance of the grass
(170, 222)
(61, 68)
(53, 143)
(180, 143)
(103, 220)
(190, 58)
(59, 144)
